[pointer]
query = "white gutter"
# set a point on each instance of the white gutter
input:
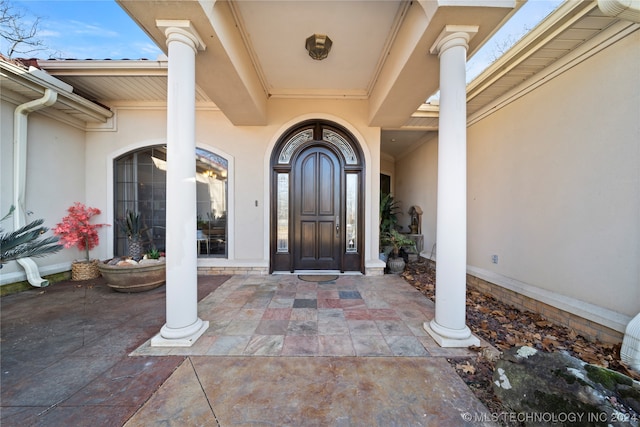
(623, 9)
(20, 174)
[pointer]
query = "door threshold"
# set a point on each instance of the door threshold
(318, 272)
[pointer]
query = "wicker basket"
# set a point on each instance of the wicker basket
(83, 270)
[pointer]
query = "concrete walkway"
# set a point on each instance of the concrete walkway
(279, 351)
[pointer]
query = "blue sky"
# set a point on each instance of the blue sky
(100, 29)
(87, 29)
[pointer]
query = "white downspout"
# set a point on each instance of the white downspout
(20, 174)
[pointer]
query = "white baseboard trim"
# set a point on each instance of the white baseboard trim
(224, 262)
(594, 313)
(600, 315)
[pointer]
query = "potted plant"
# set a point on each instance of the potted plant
(131, 226)
(396, 241)
(76, 230)
(128, 275)
(389, 211)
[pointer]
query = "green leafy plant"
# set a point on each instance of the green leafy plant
(26, 241)
(153, 254)
(389, 211)
(131, 225)
(396, 240)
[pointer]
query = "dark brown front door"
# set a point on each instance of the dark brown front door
(317, 210)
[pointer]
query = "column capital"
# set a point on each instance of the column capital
(181, 30)
(453, 35)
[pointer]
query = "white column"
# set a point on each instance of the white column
(448, 328)
(183, 326)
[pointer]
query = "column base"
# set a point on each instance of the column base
(459, 338)
(186, 341)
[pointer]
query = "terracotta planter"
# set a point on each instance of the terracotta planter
(141, 277)
(395, 265)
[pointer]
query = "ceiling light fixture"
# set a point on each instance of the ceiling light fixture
(318, 46)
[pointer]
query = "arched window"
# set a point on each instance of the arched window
(140, 186)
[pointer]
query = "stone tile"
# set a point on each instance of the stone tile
(383, 314)
(348, 294)
(415, 326)
(329, 303)
(300, 345)
(406, 346)
(265, 345)
(307, 286)
(328, 294)
(241, 327)
(217, 326)
(250, 314)
(306, 295)
(304, 314)
(331, 313)
(285, 293)
(302, 327)
(357, 314)
(277, 314)
(201, 346)
(258, 302)
(228, 345)
(305, 303)
(393, 327)
(335, 345)
(282, 302)
(363, 327)
(370, 345)
(376, 303)
(352, 304)
(272, 327)
(333, 326)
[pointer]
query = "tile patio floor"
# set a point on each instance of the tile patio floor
(282, 315)
(279, 351)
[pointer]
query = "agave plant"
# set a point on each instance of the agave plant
(26, 241)
(132, 227)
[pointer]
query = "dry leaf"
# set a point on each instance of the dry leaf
(466, 367)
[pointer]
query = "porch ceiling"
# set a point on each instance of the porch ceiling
(255, 51)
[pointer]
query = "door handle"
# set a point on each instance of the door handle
(337, 226)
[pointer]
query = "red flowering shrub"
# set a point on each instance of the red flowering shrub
(75, 229)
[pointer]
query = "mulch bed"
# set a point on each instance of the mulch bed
(504, 326)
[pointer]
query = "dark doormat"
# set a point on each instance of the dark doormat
(317, 277)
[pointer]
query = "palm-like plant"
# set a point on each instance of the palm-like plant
(389, 211)
(26, 241)
(132, 227)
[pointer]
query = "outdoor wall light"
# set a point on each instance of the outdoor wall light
(318, 46)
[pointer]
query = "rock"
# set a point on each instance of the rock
(546, 388)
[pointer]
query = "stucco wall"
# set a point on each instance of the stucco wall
(553, 184)
(416, 181)
(55, 180)
(248, 149)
